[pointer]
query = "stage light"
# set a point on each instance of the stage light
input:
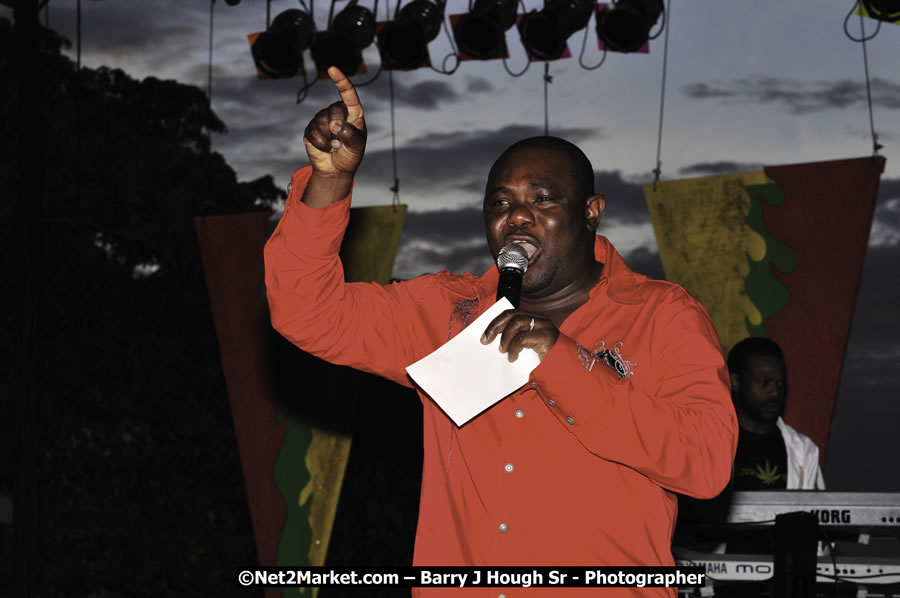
(352, 30)
(278, 51)
(883, 10)
(480, 32)
(404, 41)
(625, 26)
(544, 32)
(232, 2)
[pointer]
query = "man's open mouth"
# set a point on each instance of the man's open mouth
(530, 248)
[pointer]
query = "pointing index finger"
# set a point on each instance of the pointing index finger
(349, 97)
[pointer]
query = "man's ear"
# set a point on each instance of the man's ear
(593, 209)
(735, 383)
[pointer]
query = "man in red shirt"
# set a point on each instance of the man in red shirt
(630, 401)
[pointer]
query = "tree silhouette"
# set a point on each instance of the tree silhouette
(139, 483)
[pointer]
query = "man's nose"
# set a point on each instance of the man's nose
(520, 215)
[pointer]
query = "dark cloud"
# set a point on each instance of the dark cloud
(886, 220)
(252, 95)
(888, 189)
(625, 200)
(414, 259)
(443, 225)
(121, 28)
(722, 167)
(703, 91)
(869, 377)
(456, 162)
(164, 32)
(645, 261)
(442, 239)
(878, 301)
(474, 187)
(425, 95)
(800, 97)
(478, 84)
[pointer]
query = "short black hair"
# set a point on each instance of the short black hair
(581, 170)
(755, 345)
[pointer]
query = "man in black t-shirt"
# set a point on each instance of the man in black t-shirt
(771, 455)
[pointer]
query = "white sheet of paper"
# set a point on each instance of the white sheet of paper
(465, 377)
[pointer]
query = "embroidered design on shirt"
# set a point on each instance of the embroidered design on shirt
(611, 357)
(464, 310)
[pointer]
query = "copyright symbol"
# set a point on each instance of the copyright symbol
(245, 578)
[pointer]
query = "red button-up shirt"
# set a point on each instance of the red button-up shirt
(577, 467)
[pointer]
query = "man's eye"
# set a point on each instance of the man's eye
(543, 198)
(499, 202)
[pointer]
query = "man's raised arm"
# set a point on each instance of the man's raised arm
(354, 324)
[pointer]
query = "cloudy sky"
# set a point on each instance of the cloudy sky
(748, 84)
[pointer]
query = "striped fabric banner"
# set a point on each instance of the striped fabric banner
(292, 412)
(778, 253)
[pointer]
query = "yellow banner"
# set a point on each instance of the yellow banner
(367, 253)
(704, 239)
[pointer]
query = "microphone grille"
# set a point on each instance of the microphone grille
(513, 256)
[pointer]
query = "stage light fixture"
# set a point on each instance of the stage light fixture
(352, 30)
(883, 10)
(278, 51)
(625, 26)
(232, 2)
(404, 41)
(480, 33)
(544, 32)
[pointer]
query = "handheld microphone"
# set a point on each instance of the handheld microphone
(512, 263)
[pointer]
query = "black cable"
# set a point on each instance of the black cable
(454, 50)
(381, 64)
(396, 187)
(527, 55)
(78, 36)
(583, 48)
(847, 31)
(662, 103)
(661, 26)
(304, 91)
(210, 66)
(547, 80)
(831, 553)
(520, 73)
(330, 13)
(875, 145)
(372, 80)
(209, 164)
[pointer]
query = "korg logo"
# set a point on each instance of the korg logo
(832, 515)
